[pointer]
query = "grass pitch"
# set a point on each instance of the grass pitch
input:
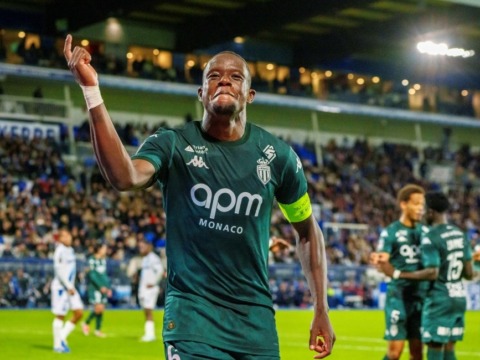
(26, 334)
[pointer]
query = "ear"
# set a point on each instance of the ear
(251, 96)
(199, 93)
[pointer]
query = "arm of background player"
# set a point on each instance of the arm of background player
(61, 274)
(158, 268)
(467, 272)
(112, 157)
(424, 274)
(429, 273)
(311, 252)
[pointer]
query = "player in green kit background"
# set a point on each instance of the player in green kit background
(98, 288)
(446, 258)
(399, 244)
(220, 177)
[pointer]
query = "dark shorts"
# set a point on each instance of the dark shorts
(237, 329)
(402, 318)
(443, 319)
(96, 297)
(190, 350)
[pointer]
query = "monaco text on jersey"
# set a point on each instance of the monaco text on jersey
(221, 227)
(225, 200)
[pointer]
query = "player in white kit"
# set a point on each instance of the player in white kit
(64, 295)
(148, 290)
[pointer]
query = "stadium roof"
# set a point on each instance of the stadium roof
(376, 37)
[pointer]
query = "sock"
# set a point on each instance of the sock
(98, 322)
(434, 354)
(149, 328)
(449, 355)
(67, 329)
(90, 317)
(57, 326)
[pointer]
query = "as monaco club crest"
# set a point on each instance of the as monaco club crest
(263, 171)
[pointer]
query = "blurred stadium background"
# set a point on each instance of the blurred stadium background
(372, 94)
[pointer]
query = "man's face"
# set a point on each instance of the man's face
(414, 208)
(65, 237)
(429, 217)
(226, 85)
(143, 248)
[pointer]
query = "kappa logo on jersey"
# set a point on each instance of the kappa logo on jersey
(263, 171)
(299, 165)
(199, 149)
(198, 162)
(403, 234)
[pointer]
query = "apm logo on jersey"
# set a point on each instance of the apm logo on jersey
(263, 169)
(224, 200)
(411, 253)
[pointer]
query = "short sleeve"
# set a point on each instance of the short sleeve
(158, 150)
(385, 242)
(293, 183)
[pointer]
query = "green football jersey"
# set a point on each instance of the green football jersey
(446, 247)
(218, 198)
(403, 245)
(97, 274)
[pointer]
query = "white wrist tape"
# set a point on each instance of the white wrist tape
(92, 96)
(396, 274)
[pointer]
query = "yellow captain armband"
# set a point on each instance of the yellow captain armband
(297, 211)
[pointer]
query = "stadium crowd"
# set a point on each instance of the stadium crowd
(39, 192)
(339, 86)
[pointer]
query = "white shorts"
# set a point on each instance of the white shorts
(148, 297)
(62, 301)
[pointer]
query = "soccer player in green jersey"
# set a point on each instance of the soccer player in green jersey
(446, 258)
(219, 178)
(399, 244)
(98, 288)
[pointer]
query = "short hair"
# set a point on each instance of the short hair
(97, 246)
(408, 190)
(437, 201)
(234, 54)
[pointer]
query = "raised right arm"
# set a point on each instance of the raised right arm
(115, 163)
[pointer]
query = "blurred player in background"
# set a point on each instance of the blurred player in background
(399, 244)
(476, 258)
(219, 178)
(446, 258)
(148, 289)
(64, 294)
(99, 288)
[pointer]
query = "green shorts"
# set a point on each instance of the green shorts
(402, 318)
(443, 319)
(190, 350)
(236, 329)
(96, 297)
